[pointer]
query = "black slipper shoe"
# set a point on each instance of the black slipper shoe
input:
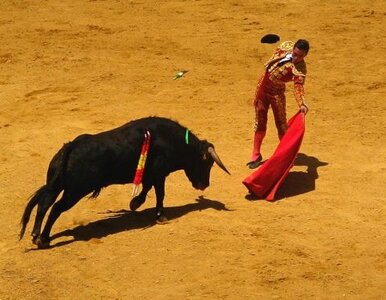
(255, 163)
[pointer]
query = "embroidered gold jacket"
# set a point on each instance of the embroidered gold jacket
(278, 74)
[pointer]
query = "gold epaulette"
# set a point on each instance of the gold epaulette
(286, 46)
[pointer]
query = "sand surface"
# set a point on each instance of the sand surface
(73, 67)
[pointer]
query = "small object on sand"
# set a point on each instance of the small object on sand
(270, 38)
(179, 74)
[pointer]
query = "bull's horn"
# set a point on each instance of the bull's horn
(217, 159)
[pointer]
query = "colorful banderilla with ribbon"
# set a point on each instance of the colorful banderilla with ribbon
(141, 163)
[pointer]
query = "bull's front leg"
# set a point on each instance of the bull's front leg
(138, 200)
(160, 194)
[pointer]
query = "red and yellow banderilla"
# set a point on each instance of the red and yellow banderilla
(141, 163)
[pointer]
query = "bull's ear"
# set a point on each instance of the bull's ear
(204, 145)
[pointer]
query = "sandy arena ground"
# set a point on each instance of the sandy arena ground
(71, 67)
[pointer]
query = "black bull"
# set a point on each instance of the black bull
(91, 162)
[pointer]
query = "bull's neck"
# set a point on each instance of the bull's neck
(189, 138)
(188, 144)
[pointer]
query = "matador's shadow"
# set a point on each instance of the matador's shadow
(298, 182)
(122, 220)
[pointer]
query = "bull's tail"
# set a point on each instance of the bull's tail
(55, 179)
(33, 201)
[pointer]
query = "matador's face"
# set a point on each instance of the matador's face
(298, 55)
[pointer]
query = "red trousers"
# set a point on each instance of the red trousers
(269, 94)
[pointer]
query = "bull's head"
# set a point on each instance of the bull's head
(201, 164)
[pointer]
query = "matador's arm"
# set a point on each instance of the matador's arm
(299, 90)
(299, 72)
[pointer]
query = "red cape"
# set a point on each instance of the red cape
(265, 181)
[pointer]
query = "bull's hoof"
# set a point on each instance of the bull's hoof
(135, 203)
(34, 238)
(42, 243)
(162, 220)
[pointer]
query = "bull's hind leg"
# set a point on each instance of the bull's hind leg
(64, 204)
(137, 201)
(43, 206)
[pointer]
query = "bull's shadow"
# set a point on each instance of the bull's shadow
(298, 182)
(118, 221)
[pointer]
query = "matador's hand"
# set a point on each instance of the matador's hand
(304, 108)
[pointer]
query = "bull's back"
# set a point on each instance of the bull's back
(103, 159)
(97, 160)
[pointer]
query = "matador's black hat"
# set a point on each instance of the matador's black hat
(270, 38)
